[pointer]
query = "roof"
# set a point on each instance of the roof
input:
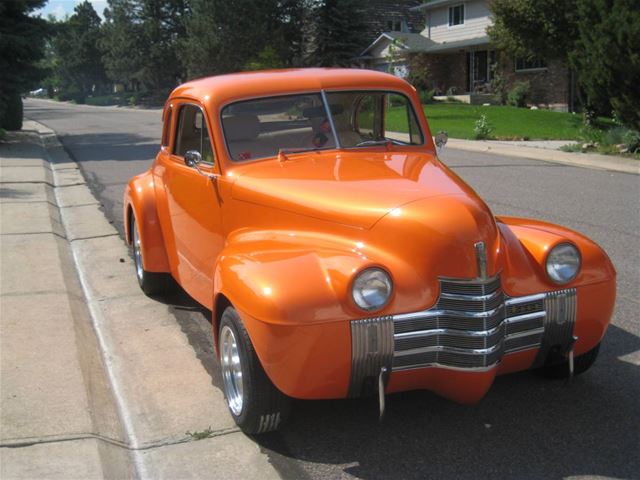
(410, 42)
(445, 46)
(415, 42)
(434, 4)
(219, 90)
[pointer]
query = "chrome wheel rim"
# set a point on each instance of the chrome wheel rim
(231, 370)
(137, 252)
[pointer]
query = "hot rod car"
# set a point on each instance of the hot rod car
(308, 210)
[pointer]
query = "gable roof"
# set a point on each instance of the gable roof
(409, 42)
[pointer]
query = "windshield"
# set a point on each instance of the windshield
(263, 127)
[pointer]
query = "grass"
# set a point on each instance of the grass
(509, 123)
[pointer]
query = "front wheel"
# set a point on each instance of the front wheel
(581, 364)
(255, 404)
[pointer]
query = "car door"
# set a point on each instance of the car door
(193, 203)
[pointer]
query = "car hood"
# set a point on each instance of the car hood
(350, 188)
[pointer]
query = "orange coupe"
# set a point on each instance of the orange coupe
(308, 210)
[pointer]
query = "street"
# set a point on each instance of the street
(526, 427)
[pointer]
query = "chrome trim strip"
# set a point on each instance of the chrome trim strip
(469, 281)
(524, 317)
(526, 333)
(442, 348)
(447, 367)
(481, 258)
(327, 109)
(472, 298)
(446, 313)
(527, 299)
(449, 331)
(372, 346)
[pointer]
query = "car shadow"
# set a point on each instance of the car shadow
(526, 427)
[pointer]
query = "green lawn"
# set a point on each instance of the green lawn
(509, 123)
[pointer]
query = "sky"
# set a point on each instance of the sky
(61, 8)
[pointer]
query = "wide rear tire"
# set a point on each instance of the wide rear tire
(152, 284)
(254, 402)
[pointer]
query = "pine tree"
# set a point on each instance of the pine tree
(336, 34)
(22, 39)
(121, 42)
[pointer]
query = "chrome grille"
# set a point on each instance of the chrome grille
(472, 325)
(465, 329)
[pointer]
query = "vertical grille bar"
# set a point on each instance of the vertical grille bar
(372, 348)
(559, 323)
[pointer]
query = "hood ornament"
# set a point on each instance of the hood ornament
(481, 259)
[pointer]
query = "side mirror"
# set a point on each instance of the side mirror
(441, 139)
(192, 158)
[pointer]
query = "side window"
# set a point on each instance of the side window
(166, 130)
(192, 133)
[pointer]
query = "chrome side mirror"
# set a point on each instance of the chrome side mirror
(441, 139)
(192, 158)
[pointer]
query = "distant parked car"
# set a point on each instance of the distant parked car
(307, 209)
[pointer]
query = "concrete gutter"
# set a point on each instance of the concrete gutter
(98, 381)
(587, 160)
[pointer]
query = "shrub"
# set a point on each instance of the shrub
(519, 94)
(426, 96)
(11, 112)
(631, 139)
(483, 128)
(102, 100)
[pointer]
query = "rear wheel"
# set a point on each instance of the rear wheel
(151, 283)
(581, 364)
(254, 402)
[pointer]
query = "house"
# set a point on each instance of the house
(453, 55)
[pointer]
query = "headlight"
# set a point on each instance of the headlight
(371, 289)
(563, 263)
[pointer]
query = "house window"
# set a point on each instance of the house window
(394, 25)
(524, 64)
(456, 15)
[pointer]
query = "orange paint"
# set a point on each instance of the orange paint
(282, 240)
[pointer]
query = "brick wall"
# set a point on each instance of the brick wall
(444, 72)
(548, 86)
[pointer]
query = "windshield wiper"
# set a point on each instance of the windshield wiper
(282, 152)
(384, 141)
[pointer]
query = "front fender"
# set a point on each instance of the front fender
(291, 295)
(140, 200)
(527, 243)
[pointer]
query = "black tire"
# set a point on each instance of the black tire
(581, 364)
(263, 407)
(152, 284)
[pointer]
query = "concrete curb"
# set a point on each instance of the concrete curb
(158, 387)
(585, 160)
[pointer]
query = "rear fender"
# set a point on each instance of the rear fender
(140, 200)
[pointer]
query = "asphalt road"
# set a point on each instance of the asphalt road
(526, 427)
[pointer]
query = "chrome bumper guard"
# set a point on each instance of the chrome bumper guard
(471, 327)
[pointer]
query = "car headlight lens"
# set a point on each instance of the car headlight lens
(563, 263)
(371, 289)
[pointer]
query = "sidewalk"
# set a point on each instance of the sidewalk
(53, 393)
(96, 379)
(538, 152)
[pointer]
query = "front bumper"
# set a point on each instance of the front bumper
(471, 328)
